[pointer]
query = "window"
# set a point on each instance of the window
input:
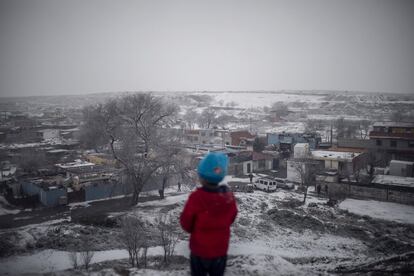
(411, 144)
(379, 143)
(393, 143)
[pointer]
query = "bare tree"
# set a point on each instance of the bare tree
(168, 236)
(364, 127)
(92, 130)
(280, 109)
(207, 118)
(345, 128)
(86, 255)
(190, 118)
(31, 160)
(313, 125)
(132, 126)
(306, 168)
(135, 240)
(258, 145)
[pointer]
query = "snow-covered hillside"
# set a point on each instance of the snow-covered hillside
(273, 235)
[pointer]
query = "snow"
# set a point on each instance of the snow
(5, 211)
(169, 200)
(265, 256)
(380, 210)
(257, 246)
(334, 154)
(260, 99)
(76, 164)
(51, 260)
(335, 117)
(288, 127)
(394, 180)
(230, 178)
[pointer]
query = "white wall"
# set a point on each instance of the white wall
(292, 174)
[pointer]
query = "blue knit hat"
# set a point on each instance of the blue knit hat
(213, 167)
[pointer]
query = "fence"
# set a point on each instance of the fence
(377, 192)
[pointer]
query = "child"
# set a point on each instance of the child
(207, 216)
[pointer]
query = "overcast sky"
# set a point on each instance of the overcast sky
(76, 47)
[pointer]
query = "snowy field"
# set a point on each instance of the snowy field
(251, 99)
(380, 210)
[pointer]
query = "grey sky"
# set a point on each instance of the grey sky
(80, 46)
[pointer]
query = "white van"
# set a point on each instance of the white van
(266, 184)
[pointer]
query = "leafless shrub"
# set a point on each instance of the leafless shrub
(86, 258)
(86, 255)
(168, 235)
(73, 258)
(135, 238)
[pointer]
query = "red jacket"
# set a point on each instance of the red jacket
(207, 215)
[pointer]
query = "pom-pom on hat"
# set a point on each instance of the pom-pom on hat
(213, 167)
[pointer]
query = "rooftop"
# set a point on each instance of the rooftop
(402, 162)
(76, 164)
(339, 155)
(393, 124)
(394, 180)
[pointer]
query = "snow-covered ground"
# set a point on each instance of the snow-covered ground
(269, 236)
(5, 208)
(380, 210)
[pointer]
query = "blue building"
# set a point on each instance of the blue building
(49, 195)
(52, 196)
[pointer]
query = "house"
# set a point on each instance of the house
(207, 136)
(240, 138)
(345, 162)
(262, 161)
(401, 168)
(395, 140)
(7, 170)
(247, 162)
(287, 141)
(241, 164)
(50, 191)
(105, 186)
(48, 134)
(72, 133)
(100, 158)
(191, 136)
(294, 166)
(301, 150)
(75, 168)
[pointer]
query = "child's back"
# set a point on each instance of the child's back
(208, 215)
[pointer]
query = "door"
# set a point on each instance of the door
(249, 168)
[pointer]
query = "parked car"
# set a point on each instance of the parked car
(266, 184)
(285, 185)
